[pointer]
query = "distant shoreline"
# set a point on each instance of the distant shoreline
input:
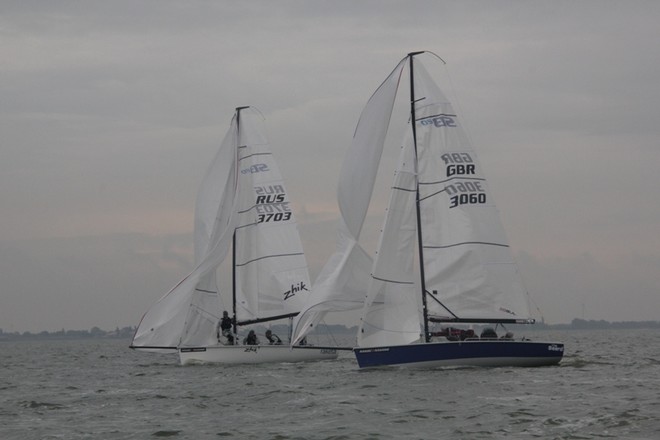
(127, 332)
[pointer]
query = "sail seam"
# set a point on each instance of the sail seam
(270, 256)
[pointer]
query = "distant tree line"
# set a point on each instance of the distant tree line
(581, 324)
(334, 329)
(94, 332)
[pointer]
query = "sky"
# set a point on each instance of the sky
(111, 111)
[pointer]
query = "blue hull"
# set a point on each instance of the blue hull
(485, 353)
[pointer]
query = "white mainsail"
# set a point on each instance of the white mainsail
(271, 270)
(242, 199)
(467, 261)
(342, 283)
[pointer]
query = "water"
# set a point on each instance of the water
(607, 386)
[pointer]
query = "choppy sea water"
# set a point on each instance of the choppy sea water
(607, 386)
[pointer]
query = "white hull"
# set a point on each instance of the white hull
(254, 354)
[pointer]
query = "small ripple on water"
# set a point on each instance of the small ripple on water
(165, 433)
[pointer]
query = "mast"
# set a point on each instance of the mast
(233, 240)
(420, 247)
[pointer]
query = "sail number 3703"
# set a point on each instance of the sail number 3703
(275, 217)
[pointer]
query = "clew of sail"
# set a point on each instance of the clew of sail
(341, 285)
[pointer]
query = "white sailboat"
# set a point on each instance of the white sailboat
(242, 218)
(443, 257)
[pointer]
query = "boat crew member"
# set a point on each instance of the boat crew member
(224, 328)
(251, 339)
(273, 339)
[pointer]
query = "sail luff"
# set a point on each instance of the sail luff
(420, 241)
(233, 239)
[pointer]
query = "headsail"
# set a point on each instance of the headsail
(169, 319)
(341, 285)
(391, 310)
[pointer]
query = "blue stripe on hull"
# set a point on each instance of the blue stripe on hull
(464, 353)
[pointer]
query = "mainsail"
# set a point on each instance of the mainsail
(467, 261)
(242, 204)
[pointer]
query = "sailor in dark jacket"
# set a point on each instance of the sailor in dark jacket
(251, 339)
(224, 328)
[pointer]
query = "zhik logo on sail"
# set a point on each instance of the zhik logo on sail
(295, 288)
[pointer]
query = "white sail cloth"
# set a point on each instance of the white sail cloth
(469, 272)
(342, 283)
(243, 200)
(272, 278)
(468, 269)
(467, 260)
(164, 324)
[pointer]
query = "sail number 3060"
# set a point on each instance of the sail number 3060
(465, 193)
(467, 199)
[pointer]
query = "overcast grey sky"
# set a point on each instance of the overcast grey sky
(110, 112)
